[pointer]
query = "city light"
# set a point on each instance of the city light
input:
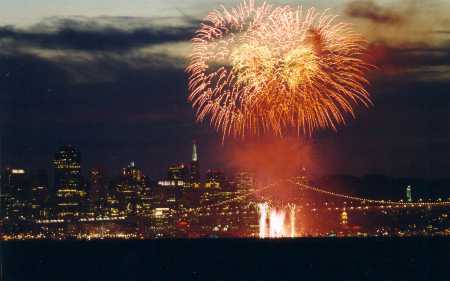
(182, 205)
(18, 171)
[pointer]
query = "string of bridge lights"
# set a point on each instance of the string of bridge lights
(323, 191)
(368, 200)
(232, 199)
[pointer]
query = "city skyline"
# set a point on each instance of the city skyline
(129, 206)
(85, 169)
(160, 173)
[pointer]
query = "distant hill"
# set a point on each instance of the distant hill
(384, 187)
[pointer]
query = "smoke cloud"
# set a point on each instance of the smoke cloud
(270, 159)
(371, 11)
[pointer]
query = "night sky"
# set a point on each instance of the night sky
(108, 77)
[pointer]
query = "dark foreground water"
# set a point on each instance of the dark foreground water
(229, 259)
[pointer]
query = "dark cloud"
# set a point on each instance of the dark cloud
(407, 131)
(368, 9)
(134, 107)
(130, 106)
(140, 115)
(103, 34)
(410, 63)
(445, 32)
(96, 49)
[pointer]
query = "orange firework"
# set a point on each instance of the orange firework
(263, 69)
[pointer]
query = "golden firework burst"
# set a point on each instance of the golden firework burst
(264, 69)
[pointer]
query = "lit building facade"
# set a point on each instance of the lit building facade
(177, 176)
(178, 172)
(68, 186)
(40, 197)
(129, 188)
(244, 181)
(97, 192)
(133, 172)
(15, 198)
(214, 179)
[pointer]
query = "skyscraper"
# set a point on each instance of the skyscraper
(133, 172)
(15, 197)
(195, 169)
(245, 180)
(39, 195)
(214, 179)
(177, 176)
(177, 172)
(69, 193)
(97, 192)
(128, 189)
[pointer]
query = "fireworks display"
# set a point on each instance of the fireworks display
(272, 221)
(262, 208)
(258, 69)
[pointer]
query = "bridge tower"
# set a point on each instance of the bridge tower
(408, 194)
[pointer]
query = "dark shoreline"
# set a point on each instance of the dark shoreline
(412, 258)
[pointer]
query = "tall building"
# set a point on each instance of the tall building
(4, 195)
(214, 179)
(195, 169)
(244, 180)
(178, 172)
(15, 195)
(69, 191)
(133, 172)
(40, 195)
(129, 188)
(408, 194)
(177, 176)
(97, 192)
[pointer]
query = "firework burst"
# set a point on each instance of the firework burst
(263, 69)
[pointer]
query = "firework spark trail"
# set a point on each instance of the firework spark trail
(292, 208)
(272, 221)
(277, 227)
(263, 69)
(262, 208)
